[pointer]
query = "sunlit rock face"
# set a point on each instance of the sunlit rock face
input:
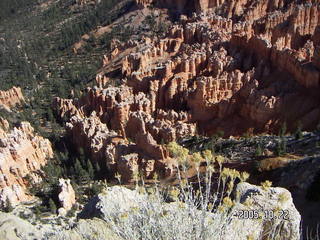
(231, 66)
(22, 154)
(11, 97)
(67, 196)
(239, 65)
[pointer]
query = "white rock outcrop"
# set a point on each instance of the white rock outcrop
(273, 204)
(277, 213)
(22, 154)
(67, 196)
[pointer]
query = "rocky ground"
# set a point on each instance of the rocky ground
(238, 78)
(94, 221)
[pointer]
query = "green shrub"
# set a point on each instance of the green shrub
(72, 212)
(8, 206)
(298, 134)
(281, 148)
(192, 209)
(52, 206)
(283, 130)
(258, 151)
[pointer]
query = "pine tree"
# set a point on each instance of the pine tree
(298, 134)
(52, 206)
(97, 168)
(50, 116)
(77, 167)
(281, 147)
(258, 152)
(81, 173)
(82, 156)
(283, 129)
(8, 206)
(90, 169)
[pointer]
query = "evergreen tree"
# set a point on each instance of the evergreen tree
(298, 134)
(97, 168)
(50, 116)
(258, 152)
(8, 206)
(81, 173)
(281, 147)
(82, 157)
(37, 212)
(77, 167)
(90, 169)
(283, 129)
(52, 206)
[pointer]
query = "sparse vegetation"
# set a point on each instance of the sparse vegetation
(72, 212)
(36, 53)
(52, 206)
(9, 8)
(8, 206)
(258, 152)
(298, 134)
(281, 148)
(283, 130)
(200, 209)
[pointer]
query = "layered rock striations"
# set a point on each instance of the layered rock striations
(262, 59)
(234, 66)
(11, 97)
(22, 154)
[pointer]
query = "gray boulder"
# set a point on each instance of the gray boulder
(15, 228)
(278, 217)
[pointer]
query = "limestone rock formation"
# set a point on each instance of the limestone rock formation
(236, 67)
(306, 171)
(118, 200)
(11, 97)
(85, 229)
(104, 121)
(15, 228)
(276, 207)
(67, 196)
(113, 200)
(22, 154)
(230, 56)
(113, 152)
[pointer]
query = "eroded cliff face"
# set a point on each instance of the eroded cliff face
(11, 97)
(22, 153)
(244, 66)
(236, 66)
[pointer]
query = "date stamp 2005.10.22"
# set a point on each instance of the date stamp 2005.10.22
(262, 214)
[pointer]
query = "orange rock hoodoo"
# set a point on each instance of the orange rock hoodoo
(11, 97)
(235, 66)
(22, 153)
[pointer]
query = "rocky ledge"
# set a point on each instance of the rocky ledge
(120, 203)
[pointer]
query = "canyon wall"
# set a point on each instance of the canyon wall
(237, 67)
